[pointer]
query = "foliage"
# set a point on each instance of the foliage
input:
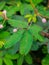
(22, 23)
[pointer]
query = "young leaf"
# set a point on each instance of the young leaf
(8, 61)
(18, 23)
(26, 43)
(14, 39)
(28, 59)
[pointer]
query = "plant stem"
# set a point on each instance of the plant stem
(48, 4)
(35, 10)
(45, 34)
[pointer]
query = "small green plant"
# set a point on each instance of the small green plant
(24, 28)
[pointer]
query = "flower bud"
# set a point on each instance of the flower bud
(15, 30)
(1, 26)
(43, 20)
(4, 12)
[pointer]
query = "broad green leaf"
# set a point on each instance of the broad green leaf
(13, 39)
(1, 61)
(28, 59)
(8, 61)
(25, 43)
(10, 56)
(20, 60)
(18, 23)
(2, 4)
(35, 30)
(45, 61)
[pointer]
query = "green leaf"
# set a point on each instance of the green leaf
(20, 60)
(18, 23)
(13, 49)
(4, 35)
(1, 61)
(35, 2)
(8, 61)
(25, 43)
(12, 10)
(35, 46)
(35, 30)
(27, 0)
(42, 10)
(45, 61)
(25, 9)
(28, 59)
(10, 56)
(13, 39)
(2, 4)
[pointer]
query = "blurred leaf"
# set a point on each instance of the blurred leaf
(10, 56)
(43, 11)
(26, 43)
(13, 49)
(45, 61)
(18, 23)
(1, 61)
(14, 39)
(12, 10)
(4, 35)
(44, 49)
(35, 2)
(28, 59)
(1, 44)
(8, 61)
(35, 46)
(35, 30)
(25, 9)
(2, 4)
(20, 60)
